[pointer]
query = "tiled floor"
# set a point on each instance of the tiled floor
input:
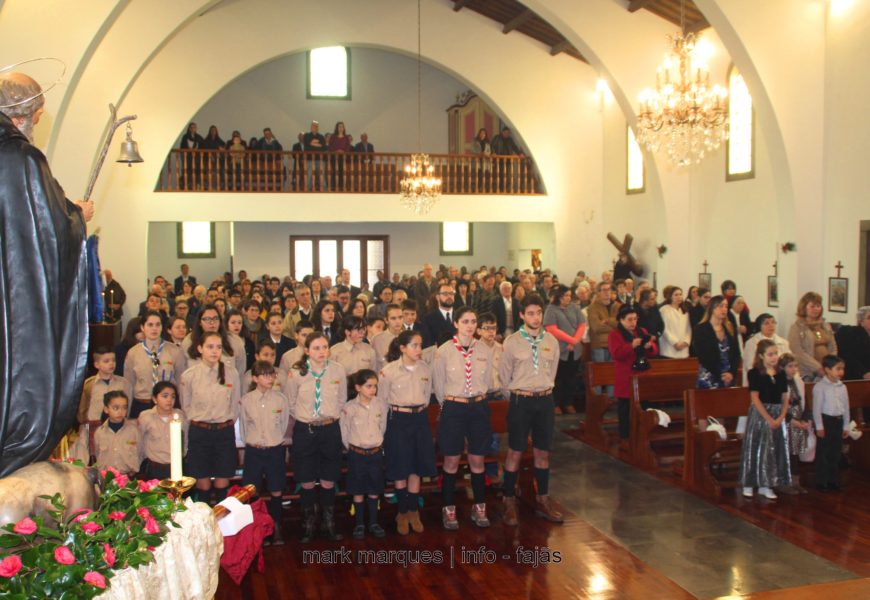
(702, 548)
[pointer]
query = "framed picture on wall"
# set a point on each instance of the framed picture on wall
(705, 280)
(772, 291)
(838, 294)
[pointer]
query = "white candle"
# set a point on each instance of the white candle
(175, 472)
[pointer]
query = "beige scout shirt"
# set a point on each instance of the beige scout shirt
(263, 418)
(333, 393)
(238, 360)
(154, 431)
(290, 358)
(381, 344)
(497, 350)
(91, 404)
(120, 450)
(139, 368)
(353, 357)
(364, 426)
(204, 398)
(400, 385)
(448, 371)
(517, 369)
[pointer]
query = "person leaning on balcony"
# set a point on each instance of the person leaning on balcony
(313, 141)
(191, 140)
(504, 145)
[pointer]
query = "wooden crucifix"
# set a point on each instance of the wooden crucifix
(624, 247)
(839, 267)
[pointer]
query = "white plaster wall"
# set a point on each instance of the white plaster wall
(163, 255)
(383, 102)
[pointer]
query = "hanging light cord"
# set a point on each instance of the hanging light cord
(419, 84)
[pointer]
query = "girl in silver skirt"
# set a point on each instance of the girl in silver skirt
(764, 445)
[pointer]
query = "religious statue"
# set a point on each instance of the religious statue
(43, 287)
(20, 492)
(626, 264)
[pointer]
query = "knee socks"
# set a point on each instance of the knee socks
(307, 498)
(327, 497)
(542, 476)
(372, 504)
(478, 487)
(358, 516)
(448, 487)
(275, 509)
(402, 500)
(510, 483)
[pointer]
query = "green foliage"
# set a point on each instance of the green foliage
(131, 520)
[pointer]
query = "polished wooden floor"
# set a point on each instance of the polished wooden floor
(589, 565)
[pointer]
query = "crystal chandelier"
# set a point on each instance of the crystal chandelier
(683, 114)
(420, 189)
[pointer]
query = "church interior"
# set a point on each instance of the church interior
(565, 77)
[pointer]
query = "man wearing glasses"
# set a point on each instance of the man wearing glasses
(438, 324)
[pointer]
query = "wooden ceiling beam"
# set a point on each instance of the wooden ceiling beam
(517, 21)
(636, 5)
(560, 47)
(698, 25)
(459, 4)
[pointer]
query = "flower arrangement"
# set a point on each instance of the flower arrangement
(75, 557)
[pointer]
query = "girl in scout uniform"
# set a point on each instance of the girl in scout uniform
(317, 390)
(263, 417)
(405, 383)
(150, 361)
(461, 376)
(154, 429)
(210, 399)
(353, 353)
(363, 423)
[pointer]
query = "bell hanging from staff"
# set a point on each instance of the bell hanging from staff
(129, 149)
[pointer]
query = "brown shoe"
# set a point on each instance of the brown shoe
(402, 525)
(544, 508)
(414, 521)
(571, 410)
(510, 512)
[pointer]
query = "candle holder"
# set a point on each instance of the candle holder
(177, 487)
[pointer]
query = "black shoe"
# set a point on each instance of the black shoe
(277, 536)
(328, 525)
(834, 487)
(377, 531)
(359, 532)
(308, 518)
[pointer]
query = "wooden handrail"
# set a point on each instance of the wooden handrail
(343, 172)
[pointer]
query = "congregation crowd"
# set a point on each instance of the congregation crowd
(332, 368)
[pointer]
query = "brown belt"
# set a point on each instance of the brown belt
(364, 451)
(408, 409)
(320, 423)
(212, 426)
(462, 400)
(525, 394)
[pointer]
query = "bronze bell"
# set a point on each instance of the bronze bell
(129, 149)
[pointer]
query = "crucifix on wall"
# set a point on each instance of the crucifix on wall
(624, 249)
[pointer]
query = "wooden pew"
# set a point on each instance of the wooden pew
(602, 374)
(658, 389)
(703, 449)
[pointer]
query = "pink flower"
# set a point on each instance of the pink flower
(80, 515)
(117, 515)
(10, 565)
(91, 527)
(151, 525)
(143, 512)
(109, 555)
(111, 470)
(95, 579)
(121, 480)
(25, 526)
(147, 486)
(64, 556)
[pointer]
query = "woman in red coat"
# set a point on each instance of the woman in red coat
(629, 346)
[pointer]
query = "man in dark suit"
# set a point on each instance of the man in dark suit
(439, 322)
(853, 343)
(409, 316)
(344, 279)
(185, 276)
(274, 331)
(506, 310)
(425, 286)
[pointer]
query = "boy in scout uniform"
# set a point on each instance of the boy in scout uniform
(527, 373)
(95, 389)
(381, 342)
(117, 440)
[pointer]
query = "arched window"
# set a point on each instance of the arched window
(635, 178)
(740, 150)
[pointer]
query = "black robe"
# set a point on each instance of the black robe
(43, 304)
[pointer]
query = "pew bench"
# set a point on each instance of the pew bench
(653, 389)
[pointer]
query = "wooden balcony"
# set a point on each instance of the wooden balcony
(261, 171)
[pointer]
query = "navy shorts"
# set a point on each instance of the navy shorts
(211, 452)
(535, 414)
(408, 447)
(153, 470)
(365, 474)
(460, 422)
(316, 452)
(268, 463)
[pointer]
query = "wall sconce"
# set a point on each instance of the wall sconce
(788, 247)
(662, 250)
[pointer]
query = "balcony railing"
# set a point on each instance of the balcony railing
(355, 172)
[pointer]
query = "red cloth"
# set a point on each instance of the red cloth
(623, 357)
(241, 549)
